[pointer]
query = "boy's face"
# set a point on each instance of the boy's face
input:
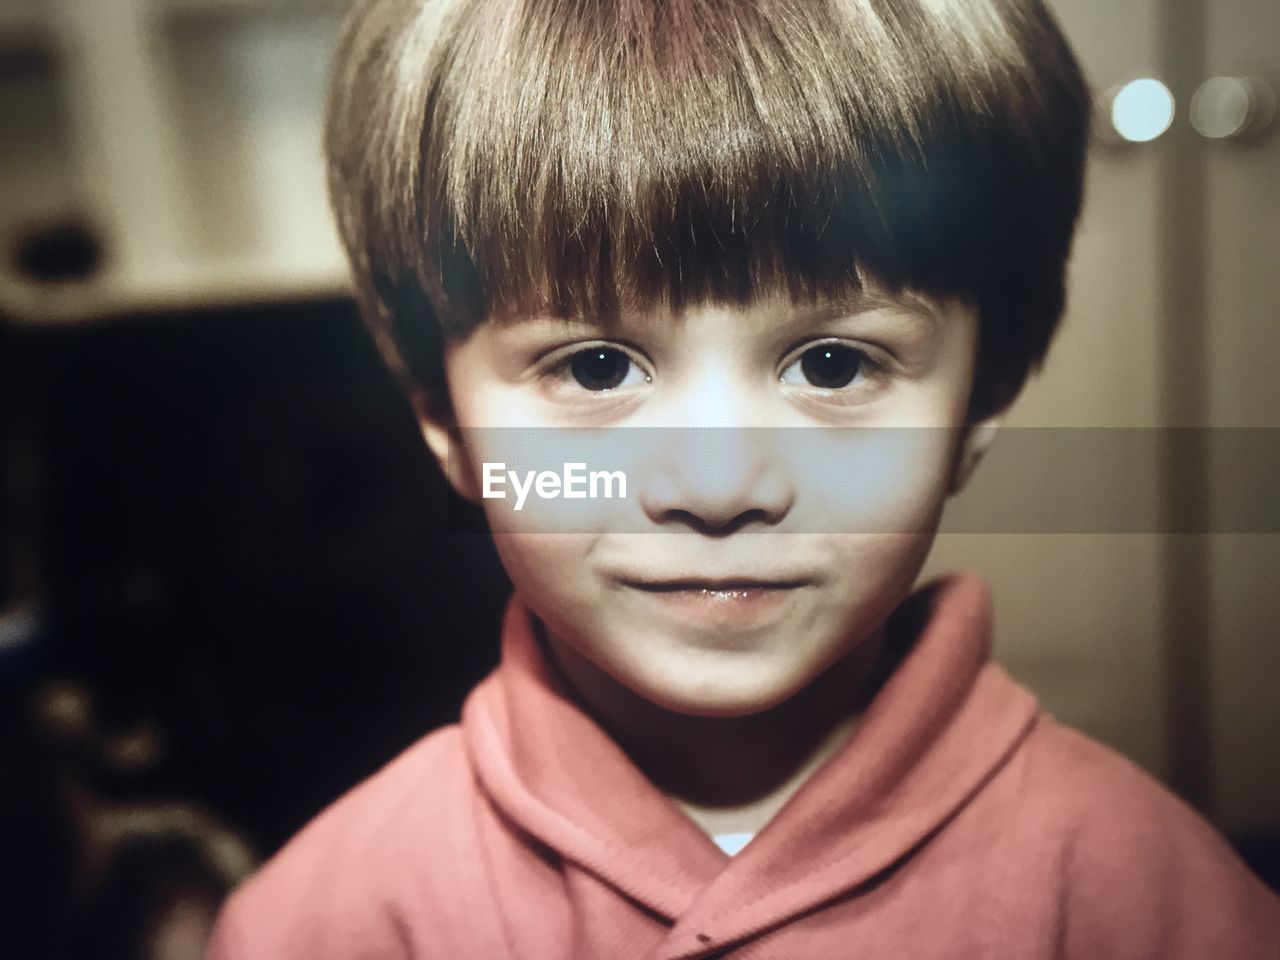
(742, 562)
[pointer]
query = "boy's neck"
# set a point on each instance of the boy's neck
(730, 774)
(751, 816)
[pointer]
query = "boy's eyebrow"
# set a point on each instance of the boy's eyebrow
(865, 301)
(815, 312)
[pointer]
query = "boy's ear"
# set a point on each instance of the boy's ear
(436, 421)
(974, 444)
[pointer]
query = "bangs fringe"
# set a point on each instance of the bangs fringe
(586, 157)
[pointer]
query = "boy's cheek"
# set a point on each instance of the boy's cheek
(552, 572)
(889, 480)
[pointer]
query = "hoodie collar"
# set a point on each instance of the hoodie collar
(944, 720)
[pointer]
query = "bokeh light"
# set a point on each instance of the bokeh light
(1142, 110)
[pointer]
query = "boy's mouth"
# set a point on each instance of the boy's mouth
(725, 602)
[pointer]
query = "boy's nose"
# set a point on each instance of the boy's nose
(717, 480)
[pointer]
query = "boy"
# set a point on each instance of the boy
(738, 735)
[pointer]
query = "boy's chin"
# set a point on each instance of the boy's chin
(725, 694)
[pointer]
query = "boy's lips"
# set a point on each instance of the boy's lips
(719, 602)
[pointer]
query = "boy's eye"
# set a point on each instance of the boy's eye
(828, 366)
(604, 368)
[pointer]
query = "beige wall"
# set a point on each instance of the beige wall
(1165, 282)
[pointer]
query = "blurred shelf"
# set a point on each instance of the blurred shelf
(181, 138)
(194, 287)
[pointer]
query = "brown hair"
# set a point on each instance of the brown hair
(582, 157)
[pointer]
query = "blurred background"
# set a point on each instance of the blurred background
(226, 593)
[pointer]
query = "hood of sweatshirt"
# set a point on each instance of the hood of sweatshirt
(943, 722)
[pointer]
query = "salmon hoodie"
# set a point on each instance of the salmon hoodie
(958, 821)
